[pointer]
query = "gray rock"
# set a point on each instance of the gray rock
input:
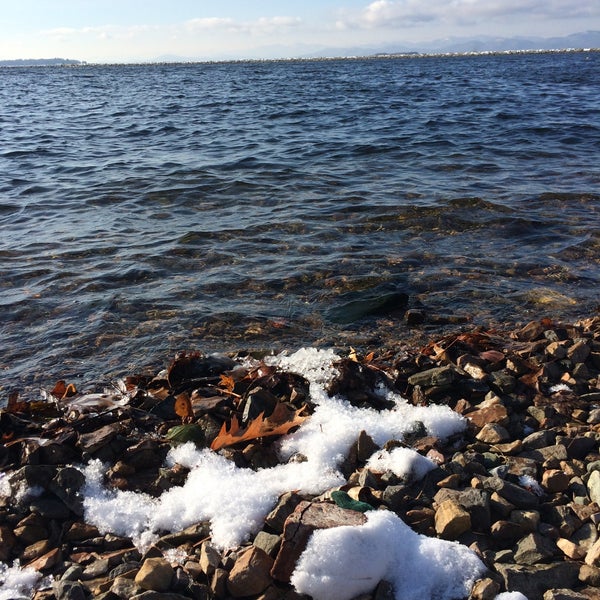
(438, 377)
(534, 581)
(68, 590)
(268, 542)
(593, 486)
(534, 549)
(516, 495)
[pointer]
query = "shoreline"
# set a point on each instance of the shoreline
(519, 485)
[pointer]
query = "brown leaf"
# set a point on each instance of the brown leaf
(278, 423)
(183, 407)
(226, 382)
(62, 390)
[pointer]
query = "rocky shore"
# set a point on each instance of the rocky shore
(519, 486)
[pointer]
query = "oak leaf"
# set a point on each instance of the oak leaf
(183, 407)
(280, 422)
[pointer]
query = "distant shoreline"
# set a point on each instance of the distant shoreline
(391, 55)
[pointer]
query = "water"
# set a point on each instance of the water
(149, 209)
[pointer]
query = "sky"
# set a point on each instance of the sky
(143, 30)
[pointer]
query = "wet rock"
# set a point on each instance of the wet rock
(250, 574)
(155, 574)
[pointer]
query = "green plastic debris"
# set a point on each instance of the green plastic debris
(343, 500)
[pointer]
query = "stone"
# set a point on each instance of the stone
(299, 526)
(589, 575)
(210, 558)
(125, 588)
(570, 549)
(451, 520)
(555, 481)
(593, 554)
(7, 542)
(529, 520)
(269, 542)
(218, 583)
(506, 532)
(564, 594)
(284, 508)
(495, 413)
(46, 561)
(485, 589)
(593, 486)
(539, 439)
(492, 433)
(533, 549)
(516, 495)
(68, 590)
(94, 440)
(477, 503)
(534, 581)
(585, 536)
(438, 377)
(250, 574)
(155, 574)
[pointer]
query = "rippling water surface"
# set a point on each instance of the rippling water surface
(148, 209)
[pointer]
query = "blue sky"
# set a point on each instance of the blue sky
(131, 30)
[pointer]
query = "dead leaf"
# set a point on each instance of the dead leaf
(280, 422)
(183, 407)
(226, 382)
(62, 390)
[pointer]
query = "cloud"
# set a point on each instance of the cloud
(262, 25)
(410, 13)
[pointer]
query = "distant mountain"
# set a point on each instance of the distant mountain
(40, 62)
(583, 40)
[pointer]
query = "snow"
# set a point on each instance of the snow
(510, 596)
(344, 562)
(17, 583)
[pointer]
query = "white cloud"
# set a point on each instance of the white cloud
(410, 13)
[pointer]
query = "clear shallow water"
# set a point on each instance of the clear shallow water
(148, 209)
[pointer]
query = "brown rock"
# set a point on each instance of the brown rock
(592, 557)
(492, 433)
(35, 550)
(250, 574)
(493, 413)
(589, 575)
(46, 561)
(485, 589)
(564, 594)
(533, 549)
(210, 558)
(299, 526)
(451, 520)
(554, 480)
(7, 542)
(155, 574)
(93, 441)
(534, 581)
(570, 549)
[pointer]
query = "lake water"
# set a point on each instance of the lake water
(146, 209)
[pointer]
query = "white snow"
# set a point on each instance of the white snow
(17, 583)
(344, 562)
(510, 596)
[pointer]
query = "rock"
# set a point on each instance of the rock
(436, 377)
(46, 561)
(570, 550)
(516, 495)
(554, 481)
(492, 433)
(155, 574)
(539, 439)
(593, 486)
(210, 558)
(285, 507)
(477, 504)
(592, 557)
(589, 575)
(534, 549)
(250, 574)
(451, 520)
(494, 413)
(564, 594)
(269, 542)
(125, 588)
(94, 440)
(534, 581)
(299, 526)
(68, 590)
(7, 542)
(529, 520)
(485, 589)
